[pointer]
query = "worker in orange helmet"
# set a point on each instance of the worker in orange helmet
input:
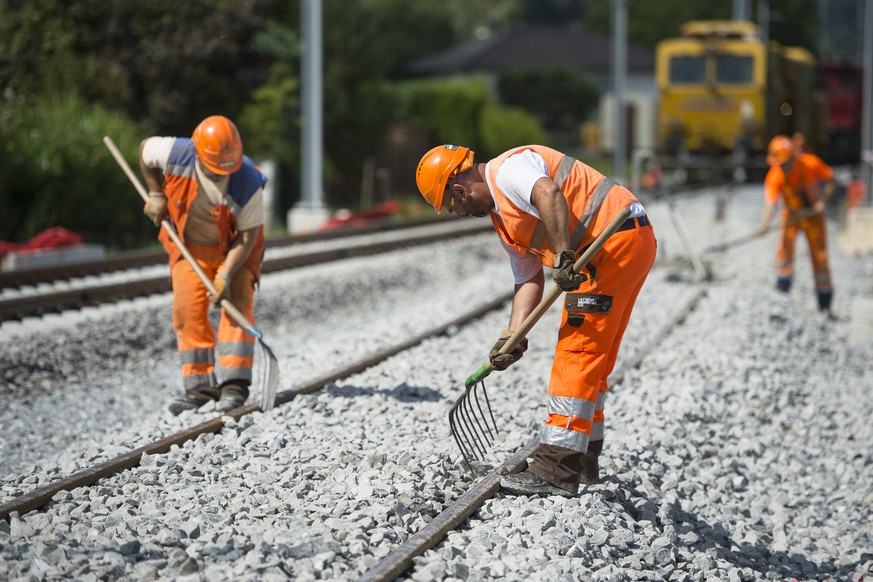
(547, 208)
(213, 196)
(803, 183)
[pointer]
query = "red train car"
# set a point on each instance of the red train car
(841, 86)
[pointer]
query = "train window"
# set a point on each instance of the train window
(687, 70)
(732, 69)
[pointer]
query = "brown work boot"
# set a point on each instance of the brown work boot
(192, 399)
(527, 483)
(232, 396)
(590, 474)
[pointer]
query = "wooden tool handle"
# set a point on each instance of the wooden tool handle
(551, 296)
(229, 307)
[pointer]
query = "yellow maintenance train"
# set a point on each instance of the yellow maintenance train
(724, 92)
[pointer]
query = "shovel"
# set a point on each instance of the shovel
(269, 377)
(468, 421)
(793, 218)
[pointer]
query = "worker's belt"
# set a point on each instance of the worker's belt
(634, 222)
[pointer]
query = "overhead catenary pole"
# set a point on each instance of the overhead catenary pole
(867, 108)
(312, 191)
(740, 10)
(764, 21)
(619, 77)
(310, 212)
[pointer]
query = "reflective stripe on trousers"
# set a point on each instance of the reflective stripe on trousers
(816, 236)
(586, 355)
(195, 335)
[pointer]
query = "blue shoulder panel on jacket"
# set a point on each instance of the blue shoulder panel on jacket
(245, 182)
(182, 157)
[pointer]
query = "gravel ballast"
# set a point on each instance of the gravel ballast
(739, 448)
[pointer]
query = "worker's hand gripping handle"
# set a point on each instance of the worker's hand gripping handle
(552, 295)
(229, 307)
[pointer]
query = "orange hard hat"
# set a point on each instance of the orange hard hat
(218, 145)
(437, 167)
(780, 150)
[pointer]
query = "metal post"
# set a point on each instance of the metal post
(311, 194)
(619, 73)
(310, 212)
(764, 21)
(867, 106)
(741, 10)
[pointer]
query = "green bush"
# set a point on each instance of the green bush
(503, 128)
(451, 109)
(56, 171)
(561, 98)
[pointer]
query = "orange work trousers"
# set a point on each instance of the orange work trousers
(592, 325)
(814, 228)
(195, 335)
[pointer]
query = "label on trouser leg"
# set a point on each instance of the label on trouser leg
(578, 304)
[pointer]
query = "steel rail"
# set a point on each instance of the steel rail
(398, 561)
(145, 258)
(56, 301)
(43, 495)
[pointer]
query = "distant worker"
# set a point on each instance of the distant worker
(213, 196)
(804, 183)
(547, 208)
(801, 146)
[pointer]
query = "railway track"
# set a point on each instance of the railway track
(455, 514)
(400, 559)
(278, 258)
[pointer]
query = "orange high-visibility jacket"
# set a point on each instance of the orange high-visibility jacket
(799, 189)
(592, 198)
(180, 187)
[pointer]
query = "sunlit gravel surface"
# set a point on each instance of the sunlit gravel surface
(739, 449)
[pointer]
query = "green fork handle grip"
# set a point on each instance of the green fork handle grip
(479, 374)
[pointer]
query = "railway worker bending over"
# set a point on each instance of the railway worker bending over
(804, 183)
(547, 207)
(213, 195)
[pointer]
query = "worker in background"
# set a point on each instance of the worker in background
(213, 195)
(547, 208)
(801, 146)
(803, 183)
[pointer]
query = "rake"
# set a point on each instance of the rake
(268, 376)
(473, 429)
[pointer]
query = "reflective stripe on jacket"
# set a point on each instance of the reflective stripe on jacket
(592, 199)
(180, 187)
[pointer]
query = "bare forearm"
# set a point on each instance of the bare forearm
(240, 252)
(766, 216)
(527, 297)
(552, 206)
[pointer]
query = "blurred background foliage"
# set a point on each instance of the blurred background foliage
(73, 71)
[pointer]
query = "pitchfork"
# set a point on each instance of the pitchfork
(268, 378)
(468, 422)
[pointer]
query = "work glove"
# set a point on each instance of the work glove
(222, 288)
(502, 361)
(563, 275)
(156, 207)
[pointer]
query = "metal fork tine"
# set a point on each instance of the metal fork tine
(469, 423)
(462, 429)
(475, 430)
(454, 426)
(490, 411)
(481, 426)
(466, 431)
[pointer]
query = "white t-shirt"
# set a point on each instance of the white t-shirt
(200, 229)
(516, 178)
